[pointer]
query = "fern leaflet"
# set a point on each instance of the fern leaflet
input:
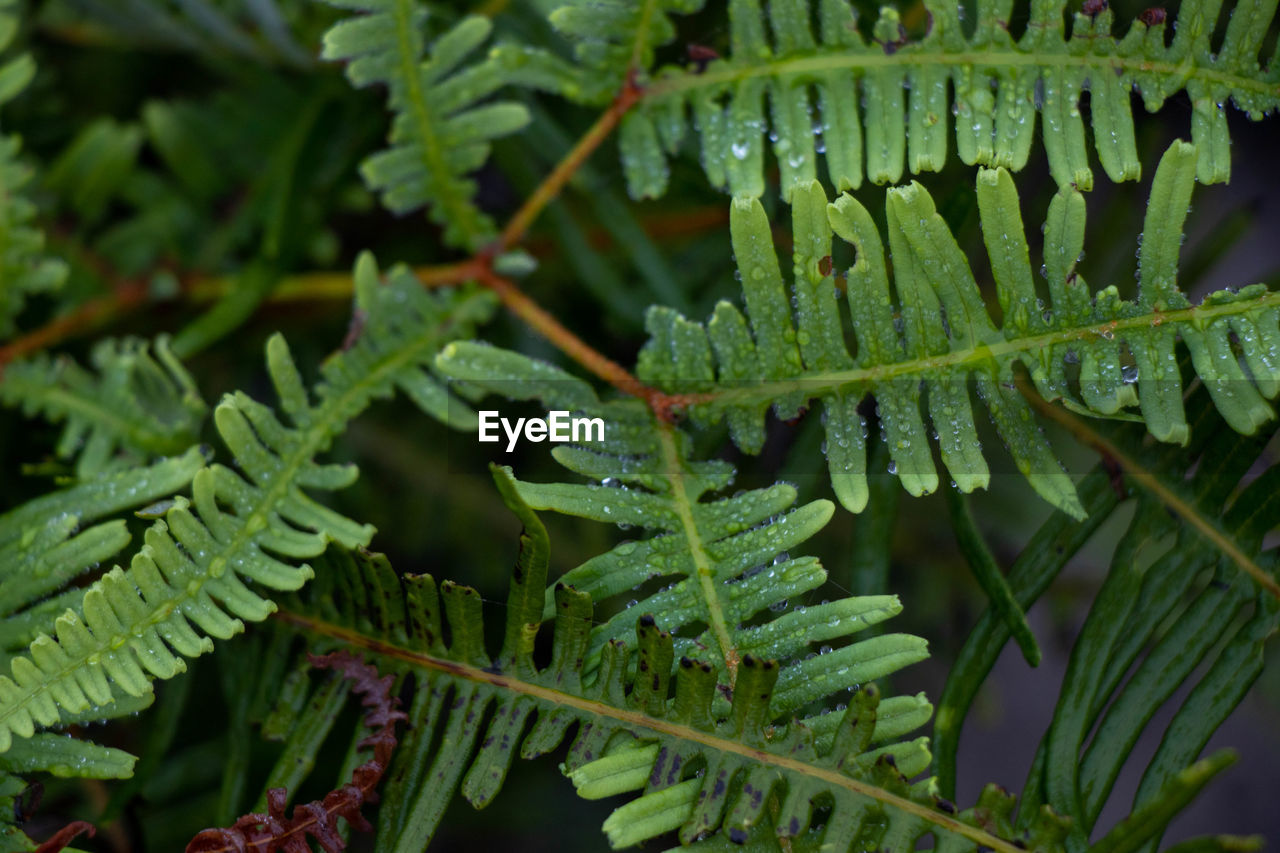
(724, 560)
(48, 541)
(237, 527)
(615, 38)
(1152, 579)
(24, 268)
(999, 86)
(140, 404)
(1174, 600)
(735, 367)
(439, 133)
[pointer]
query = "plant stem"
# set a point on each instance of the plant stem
(568, 166)
(92, 313)
(704, 573)
(542, 322)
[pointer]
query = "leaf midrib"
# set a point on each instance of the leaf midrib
(458, 212)
(702, 562)
(827, 59)
(641, 40)
(820, 384)
(67, 403)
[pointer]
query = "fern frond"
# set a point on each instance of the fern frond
(1152, 580)
(639, 726)
(48, 541)
(724, 559)
(141, 402)
(1175, 602)
(188, 582)
(734, 776)
(440, 131)
(24, 268)
(737, 366)
(999, 86)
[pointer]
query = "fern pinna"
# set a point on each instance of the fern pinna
(438, 134)
(143, 402)
(187, 583)
(1180, 606)
(726, 559)
(877, 104)
(736, 367)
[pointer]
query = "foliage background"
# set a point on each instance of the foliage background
(269, 177)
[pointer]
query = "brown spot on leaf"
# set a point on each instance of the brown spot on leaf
(700, 56)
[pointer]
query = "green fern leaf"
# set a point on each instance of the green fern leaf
(188, 583)
(64, 756)
(471, 713)
(440, 132)
(1151, 581)
(736, 367)
(999, 86)
(139, 404)
(730, 776)
(24, 268)
(724, 559)
(48, 541)
(1175, 602)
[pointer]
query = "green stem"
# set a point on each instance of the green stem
(986, 62)
(820, 384)
(704, 572)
